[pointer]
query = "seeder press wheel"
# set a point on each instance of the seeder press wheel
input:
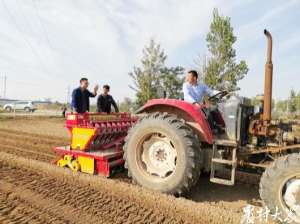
(69, 161)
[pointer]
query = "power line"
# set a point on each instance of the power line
(42, 29)
(31, 84)
(42, 24)
(12, 18)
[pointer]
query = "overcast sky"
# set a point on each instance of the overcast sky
(47, 45)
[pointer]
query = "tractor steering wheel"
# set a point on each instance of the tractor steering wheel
(217, 97)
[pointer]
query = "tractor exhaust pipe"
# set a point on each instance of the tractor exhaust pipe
(268, 80)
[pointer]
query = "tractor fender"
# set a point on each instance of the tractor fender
(193, 115)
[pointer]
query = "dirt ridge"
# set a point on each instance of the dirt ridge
(141, 203)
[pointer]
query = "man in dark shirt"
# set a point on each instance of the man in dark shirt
(105, 101)
(81, 96)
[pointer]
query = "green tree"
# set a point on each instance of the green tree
(298, 101)
(292, 105)
(126, 105)
(171, 81)
(255, 101)
(281, 106)
(220, 66)
(154, 77)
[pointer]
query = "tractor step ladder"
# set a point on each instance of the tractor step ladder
(231, 162)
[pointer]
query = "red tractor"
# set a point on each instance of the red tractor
(174, 141)
(171, 142)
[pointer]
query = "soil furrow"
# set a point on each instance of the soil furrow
(17, 210)
(32, 135)
(52, 211)
(108, 200)
(27, 153)
(31, 138)
(34, 191)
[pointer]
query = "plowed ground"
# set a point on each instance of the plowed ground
(32, 190)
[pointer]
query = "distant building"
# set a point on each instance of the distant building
(42, 102)
(4, 101)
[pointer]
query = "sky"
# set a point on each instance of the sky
(46, 46)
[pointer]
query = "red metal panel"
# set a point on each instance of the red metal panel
(194, 111)
(102, 167)
(103, 164)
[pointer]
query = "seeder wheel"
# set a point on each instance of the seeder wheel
(68, 161)
(75, 166)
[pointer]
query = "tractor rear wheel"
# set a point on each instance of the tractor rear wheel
(280, 188)
(162, 153)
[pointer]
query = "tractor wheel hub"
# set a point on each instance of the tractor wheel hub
(159, 156)
(291, 197)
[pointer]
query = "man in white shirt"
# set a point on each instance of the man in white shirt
(194, 91)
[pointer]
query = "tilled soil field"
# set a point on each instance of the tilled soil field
(32, 190)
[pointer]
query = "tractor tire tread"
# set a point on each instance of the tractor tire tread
(192, 147)
(273, 174)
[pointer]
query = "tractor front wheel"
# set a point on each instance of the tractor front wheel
(162, 153)
(280, 188)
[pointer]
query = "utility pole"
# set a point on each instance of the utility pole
(3, 86)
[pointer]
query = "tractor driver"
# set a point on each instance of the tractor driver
(81, 96)
(193, 90)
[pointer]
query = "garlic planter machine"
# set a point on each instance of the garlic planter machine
(96, 142)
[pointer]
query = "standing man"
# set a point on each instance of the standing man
(81, 96)
(105, 101)
(64, 110)
(193, 90)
